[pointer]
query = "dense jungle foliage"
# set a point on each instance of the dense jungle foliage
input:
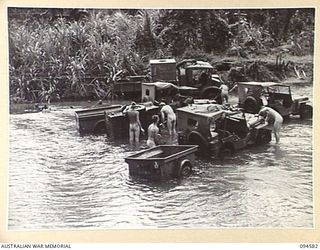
(59, 54)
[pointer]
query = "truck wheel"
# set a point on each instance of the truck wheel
(306, 111)
(263, 137)
(225, 151)
(252, 105)
(185, 168)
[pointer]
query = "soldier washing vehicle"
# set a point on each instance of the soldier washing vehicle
(219, 131)
(254, 95)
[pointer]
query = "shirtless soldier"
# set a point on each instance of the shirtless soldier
(268, 113)
(134, 124)
(153, 132)
(167, 111)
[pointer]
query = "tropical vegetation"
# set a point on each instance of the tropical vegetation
(60, 54)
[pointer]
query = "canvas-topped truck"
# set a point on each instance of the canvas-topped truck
(254, 95)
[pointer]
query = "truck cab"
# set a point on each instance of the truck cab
(200, 76)
(193, 78)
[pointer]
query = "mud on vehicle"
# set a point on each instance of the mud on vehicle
(254, 95)
(220, 132)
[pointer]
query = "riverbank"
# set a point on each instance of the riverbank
(282, 68)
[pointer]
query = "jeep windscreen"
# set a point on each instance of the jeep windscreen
(281, 95)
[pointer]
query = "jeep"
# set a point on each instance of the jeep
(254, 95)
(220, 131)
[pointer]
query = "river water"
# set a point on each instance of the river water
(60, 180)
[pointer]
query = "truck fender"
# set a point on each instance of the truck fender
(196, 138)
(212, 89)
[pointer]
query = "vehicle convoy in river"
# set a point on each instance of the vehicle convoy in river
(47, 154)
(219, 131)
(254, 95)
(112, 120)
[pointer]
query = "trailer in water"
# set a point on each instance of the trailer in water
(117, 123)
(163, 162)
(92, 120)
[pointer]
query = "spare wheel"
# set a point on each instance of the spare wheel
(252, 105)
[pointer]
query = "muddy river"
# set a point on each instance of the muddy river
(60, 180)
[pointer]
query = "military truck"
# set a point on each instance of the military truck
(189, 77)
(219, 131)
(200, 76)
(254, 95)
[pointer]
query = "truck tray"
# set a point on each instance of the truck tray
(92, 120)
(117, 123)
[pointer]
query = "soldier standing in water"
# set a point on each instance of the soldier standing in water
(134, 124)
(269, 113)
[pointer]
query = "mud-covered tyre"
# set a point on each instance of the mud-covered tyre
(263, 137)
(225, 151)
(306, 111)
(252, 105)
(185, 169)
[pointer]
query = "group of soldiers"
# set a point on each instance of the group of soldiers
(168, 117)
